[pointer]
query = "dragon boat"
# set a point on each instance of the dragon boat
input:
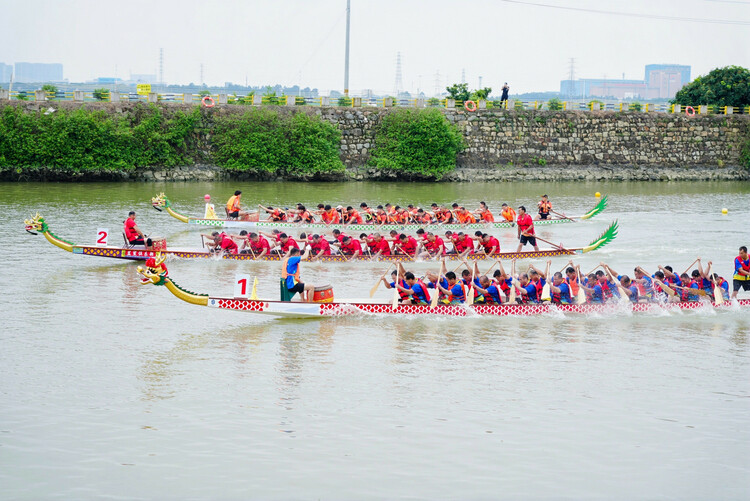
(38, 225)
(156, 273)
(161, 201)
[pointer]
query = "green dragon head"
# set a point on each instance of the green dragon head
(35, 224)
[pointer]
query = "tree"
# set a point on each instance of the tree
(481, 93)
(728, 86)
(50, 91)
(459, 92)
(101, 94)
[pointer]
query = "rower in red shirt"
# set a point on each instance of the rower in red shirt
(350, 247)
(353, 216)
(382, 247)
(319, 247)
(407, 245)
(525, 230)
(287, 242)
(490, 244)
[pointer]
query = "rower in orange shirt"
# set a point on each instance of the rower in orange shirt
(330, 215)
(508, 213)
(485, 214)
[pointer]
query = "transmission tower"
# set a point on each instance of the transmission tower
(571, 77)
(399, 80)
(161, 67)
(463, 75)
(203, 82)
(437, 83)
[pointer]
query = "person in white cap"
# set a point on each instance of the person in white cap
(210, 213)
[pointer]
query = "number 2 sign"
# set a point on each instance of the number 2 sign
(101, 237)
(242, 286)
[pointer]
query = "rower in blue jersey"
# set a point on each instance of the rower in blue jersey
(529, 291)
(455, 293)
(490, 292)
(559, 289)
(415, 290)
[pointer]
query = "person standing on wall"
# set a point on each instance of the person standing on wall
(506, 89)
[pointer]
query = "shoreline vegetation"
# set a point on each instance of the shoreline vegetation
(146, 142)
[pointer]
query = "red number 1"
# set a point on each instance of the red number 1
(102, 237)
(243, 283)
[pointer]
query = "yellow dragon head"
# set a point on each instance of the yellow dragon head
(160, 200)
(155, 271)
(35, 224)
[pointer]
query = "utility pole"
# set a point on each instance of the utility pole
(202, 81)
(346, 57)
(399, 85)
(161, 68)
(571, 76)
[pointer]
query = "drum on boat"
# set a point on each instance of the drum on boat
(159, 243)
(323, 294)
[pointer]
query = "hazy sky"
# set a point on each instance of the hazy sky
(526, 43)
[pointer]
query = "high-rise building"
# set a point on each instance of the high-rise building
(6, 70)
(38, 72)
(662, 81)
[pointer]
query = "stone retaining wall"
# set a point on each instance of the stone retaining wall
(516, 145)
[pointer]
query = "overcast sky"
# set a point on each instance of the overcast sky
(526, 43)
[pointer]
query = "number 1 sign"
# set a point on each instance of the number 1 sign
(241, 286)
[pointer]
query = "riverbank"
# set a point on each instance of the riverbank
(210, 173)
(128, 141)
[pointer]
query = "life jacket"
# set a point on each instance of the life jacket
(233, 205)
(462, 298)
(381, 218)
(488, 217)
(285, 274)
(573, 284)
(545, 207)
(403, 295)
(745, 265)
(424, 290)
(539, 286)
(277, 215)
(509, 214)
(306, 217)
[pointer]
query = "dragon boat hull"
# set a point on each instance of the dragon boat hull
(143, 254)
(336, 309)
(195, 222)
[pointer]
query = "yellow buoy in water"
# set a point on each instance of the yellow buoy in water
(724, 211)
(598, 195)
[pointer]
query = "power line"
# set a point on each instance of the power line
(632, 14)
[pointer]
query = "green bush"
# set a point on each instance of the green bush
(345, 101)
(85, 140)
(555, 104)
(101, 94)
(262, 140)
(416, 144)
(433, 101)
(729, 86)
(635, 106)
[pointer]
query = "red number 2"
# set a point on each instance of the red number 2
(102, 237)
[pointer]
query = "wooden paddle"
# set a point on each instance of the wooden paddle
(559, 246)
(394, 303)
(546, 290)
(665, 287)
(563, 216)
(470, 294)
(689, 266)
(581, 298)
(718, 296)
(698, 292)
(375, 287)
(441, 273)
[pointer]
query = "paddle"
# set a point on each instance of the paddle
(698, 292)
(548, 242)
(546, 296)
(689, 266)
(394, 303)
(377, 284)
(718, 296)
(470, 294)
(581, 298)
(562, 216)
(665, 287)
(441, 273)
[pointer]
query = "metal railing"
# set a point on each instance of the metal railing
(357, 102)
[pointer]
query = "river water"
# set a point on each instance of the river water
(109, 389)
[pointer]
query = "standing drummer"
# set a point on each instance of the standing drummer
(290, 274)
(525, 230)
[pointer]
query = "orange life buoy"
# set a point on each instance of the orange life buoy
(690, 111)
(208, 101)
(470, 106)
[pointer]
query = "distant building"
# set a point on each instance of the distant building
(107, 80)
(662, 81)
(6, 70)
(38, 72)
(143, 78)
